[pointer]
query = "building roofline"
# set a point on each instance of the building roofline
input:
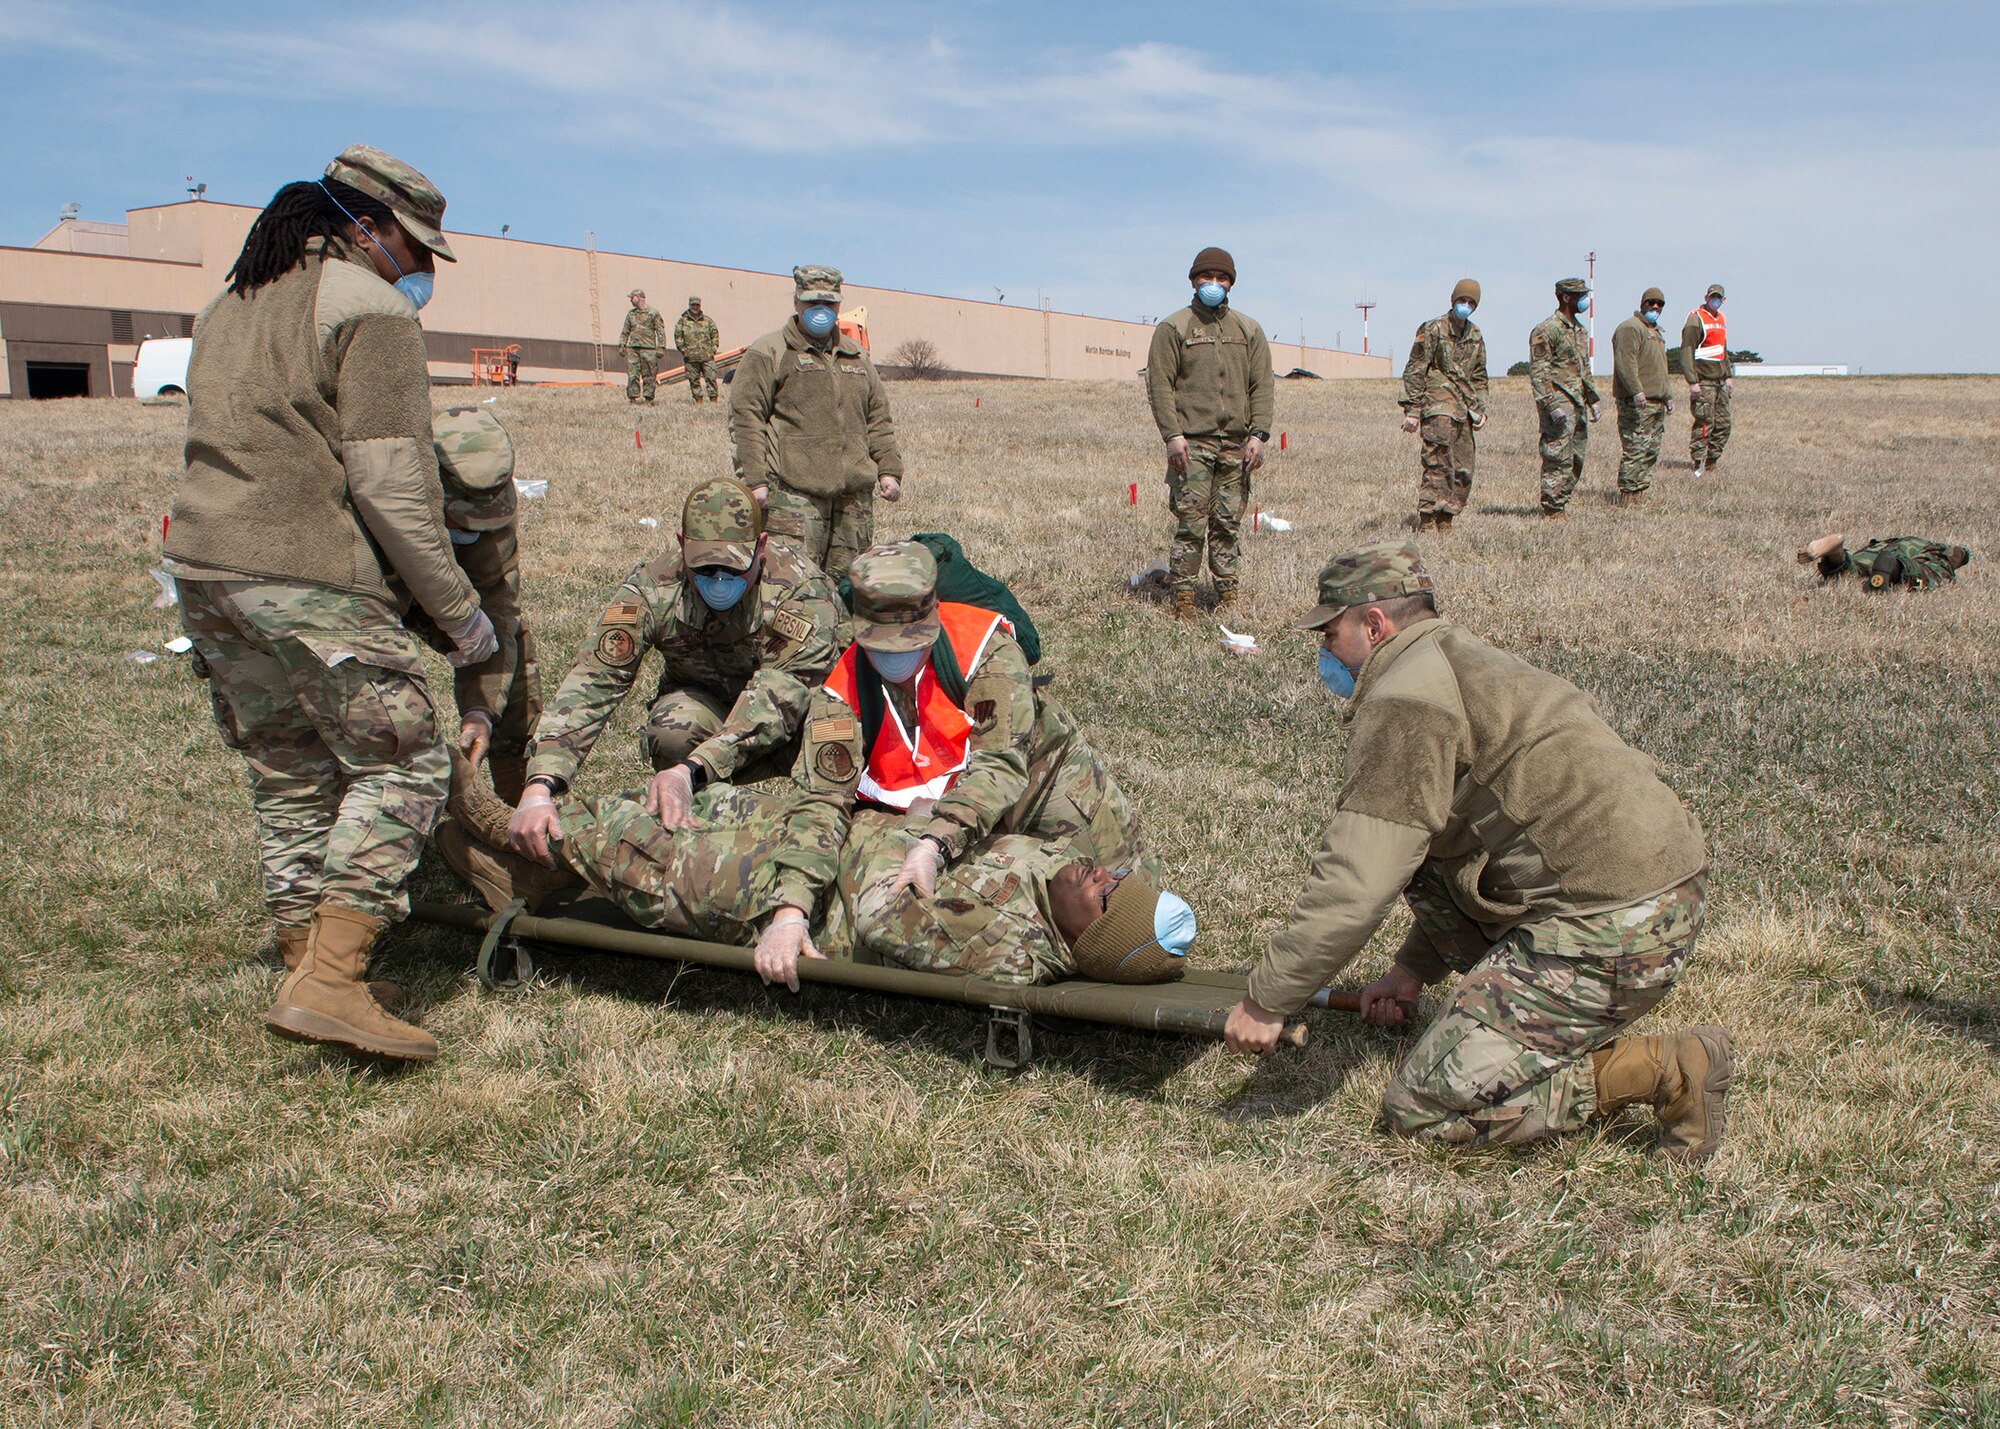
(98, 257)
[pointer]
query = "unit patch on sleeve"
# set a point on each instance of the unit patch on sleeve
(833, 763)
(617, 647)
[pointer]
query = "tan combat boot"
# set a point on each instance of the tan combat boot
(1184, 607)
(1225, 597)
(474, 804)
(1444, 523)
(1631, 498)
(1819, 550)
(1428, 523)
(500, 875)
(292, 943)
(325, 1000)
(1685, 1078)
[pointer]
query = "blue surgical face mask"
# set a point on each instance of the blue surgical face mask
(1583, 305)
(896, 666)
(1335, 676)
(1173, 923)
(417, 287)
(1651, 316)
(1461, 311)
(1211, 294)
(461, 538)
(819, 319)
(720, 590)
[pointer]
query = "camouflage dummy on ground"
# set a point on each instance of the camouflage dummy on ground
(499, 699)
(1565, 396)
(644, 338)
(1912, 562)
(1208, 378)
(1639, 386)
(1444, 398)
(698, 339)
(1542, 858)
(1018, 909)
(745, 628)
(309, 517)
(1710, 374)
(810, 422)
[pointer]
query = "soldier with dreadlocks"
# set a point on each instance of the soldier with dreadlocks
(310, 518)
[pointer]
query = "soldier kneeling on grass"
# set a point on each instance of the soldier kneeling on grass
(1912, 562)
(1544, 861)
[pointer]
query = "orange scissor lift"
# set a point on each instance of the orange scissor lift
(489, 364)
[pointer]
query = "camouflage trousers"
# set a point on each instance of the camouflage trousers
(1509, 1060)
(1207, 501)
(323, 694)
(831, 530)
(700, 370)
(1446, 479)
(642, 373)
(1710, 431)
(678, 722)
(1639, 433)
(1565, 438)
(516, 728)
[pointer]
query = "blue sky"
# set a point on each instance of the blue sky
(1833, 162)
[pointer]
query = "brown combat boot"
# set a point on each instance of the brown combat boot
(1554, 515)
(1631, 498)
(325, 1000)
(292, 942)
(1428, 523)
(1225, 597)
(474, 804)
(500, 875)
(1444, 523)
(1184, 607)
(1820, 549)
(1684, 1076)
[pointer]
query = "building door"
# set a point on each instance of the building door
(58, 379)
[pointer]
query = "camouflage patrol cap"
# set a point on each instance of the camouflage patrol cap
(1361, 575)
(1715, 291)
(1652, 295)
(414, 199)
(475, 460)
(1572, 285)
(694, 300)
(816, 283)
(720, 524)
(636, 293)
(895, 597)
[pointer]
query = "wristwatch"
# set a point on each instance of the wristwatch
(1262, 436)
(944, 851)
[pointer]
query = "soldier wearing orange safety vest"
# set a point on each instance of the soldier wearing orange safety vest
(930, 720)
(1706, 365)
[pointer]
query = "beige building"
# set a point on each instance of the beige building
(75, 306)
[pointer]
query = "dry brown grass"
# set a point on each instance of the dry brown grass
(635, 1198)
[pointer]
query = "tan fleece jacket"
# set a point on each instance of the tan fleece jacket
(309, 454)
(1208, 374)
(1505, 776)
(811, 418)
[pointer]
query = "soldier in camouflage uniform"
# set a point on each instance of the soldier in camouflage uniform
(1913, 562)
(1639, 391)
(745, 627)
(310, 515)
(644, 338)
(698, 340)
(1208, 378)
(1565, 397)
(1444, 397)
(1542, 858)
(499, 699)
(810, 423)
(1710, 374)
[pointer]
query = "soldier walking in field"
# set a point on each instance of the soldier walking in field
(1706, 364)
(1444, 397)
(698, 340)
(644, 338)
(1565, 396)
(1639, 381)
(1208, 377)
(1543, 858)
(811, 426)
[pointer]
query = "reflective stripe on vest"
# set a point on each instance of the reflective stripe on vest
(1714, 336)
(900, 770)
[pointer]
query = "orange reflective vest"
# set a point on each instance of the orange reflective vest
(1714, 336)
(900, 769)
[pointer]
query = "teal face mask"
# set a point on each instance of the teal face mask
(895, 666)
(720, 590)
(1173, 923)
(1335, 676)
(819, 319)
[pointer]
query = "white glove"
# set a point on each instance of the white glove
(890, 487)
(533, 824)
(670, 797)
(476, 642)
(920, 868)
(785, 940)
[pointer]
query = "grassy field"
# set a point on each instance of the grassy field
(636, 1196)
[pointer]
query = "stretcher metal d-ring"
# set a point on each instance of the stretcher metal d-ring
(521, 965)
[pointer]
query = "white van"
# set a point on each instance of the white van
(161, 368)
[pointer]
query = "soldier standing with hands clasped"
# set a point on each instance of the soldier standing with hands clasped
(1208, 376)
(1444, 397)
(644, 338)
(698, 339)
(1565, 397)
(1639, 391)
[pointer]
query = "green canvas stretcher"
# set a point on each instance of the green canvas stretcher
(1196, 1006)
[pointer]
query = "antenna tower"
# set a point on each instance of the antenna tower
(1364, 324)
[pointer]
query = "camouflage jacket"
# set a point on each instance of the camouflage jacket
(1446, 373)
(644, 331)
(999, 700)
(766, 654)
(1559, 362)
(1208, 374)
(1923, 563)
(811, 418)
(697, 339)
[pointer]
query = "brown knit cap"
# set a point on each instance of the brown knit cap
(1467, 288)
(1121, 946)
(1652, 295)
(1213, 260)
